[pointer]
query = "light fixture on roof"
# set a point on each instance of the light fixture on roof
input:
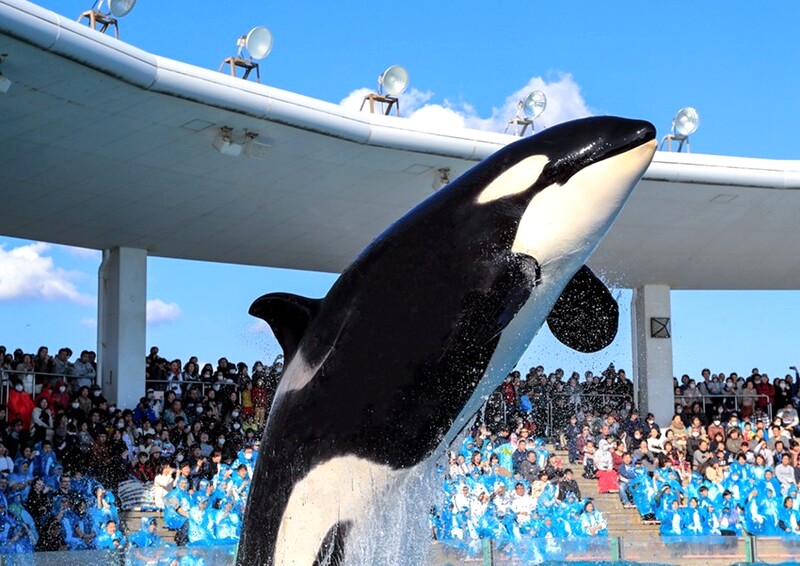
(228, 142)
(528, 109)
(5, 82)
(106, 19)
(391, 84)
(258, 43)
(442, 178)
(684, 124)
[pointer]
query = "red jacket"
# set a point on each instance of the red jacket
(20, 406)
(765, 389)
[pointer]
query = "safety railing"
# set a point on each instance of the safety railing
(33, 381)
(631, 549)
(712, 401)
(165, 385)
(573, 402)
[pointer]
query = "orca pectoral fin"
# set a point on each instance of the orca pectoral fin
(288, 315)
(331, 551)
(586, 315)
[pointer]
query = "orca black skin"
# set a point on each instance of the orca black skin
(411, 336)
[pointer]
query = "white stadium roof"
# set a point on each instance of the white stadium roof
(104, 145)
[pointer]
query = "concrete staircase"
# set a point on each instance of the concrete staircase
(621, 521)
(132, 522)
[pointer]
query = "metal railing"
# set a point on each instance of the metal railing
(579, 401)
(184, 385)
(33, 381)
(708, 399)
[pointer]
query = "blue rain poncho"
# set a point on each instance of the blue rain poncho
(177, 498)
(146, 537)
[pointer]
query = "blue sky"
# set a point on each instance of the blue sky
(468, 63)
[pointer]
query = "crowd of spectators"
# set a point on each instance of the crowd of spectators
(505, 485)
(545, 401)
(713, 471)
(722, 478)
(191, 443)
(65, 452)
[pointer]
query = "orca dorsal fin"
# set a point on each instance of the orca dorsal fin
(586, 315)
(288, 315)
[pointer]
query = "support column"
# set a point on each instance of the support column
(121, 317)
(652, 351)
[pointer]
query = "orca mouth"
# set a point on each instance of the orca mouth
(593, 140)
(645, 133)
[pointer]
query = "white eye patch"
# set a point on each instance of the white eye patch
(515, 180)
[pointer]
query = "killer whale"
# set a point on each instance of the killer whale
(426, 322)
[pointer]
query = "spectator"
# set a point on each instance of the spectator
(43, 421)
(83, 372)
(61, 363)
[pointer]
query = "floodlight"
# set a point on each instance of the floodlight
(258, 42)
(534, 104)
(686, 121)
(528, 109)
(684, 124)
(393, 81)
(121, 8)
(106, 19)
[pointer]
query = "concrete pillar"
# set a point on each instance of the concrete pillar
(652, 356)
(121, 317)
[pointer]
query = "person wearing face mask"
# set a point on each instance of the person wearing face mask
(235, 437)
(84, 401)
(781, 395)
(716, 428)
(60, 397)
(43, 421)
(224, 448)
(97, 396)
(246, 457)
(143, 413)
(20, 405)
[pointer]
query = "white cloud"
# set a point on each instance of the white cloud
(410, 101)
(564, 102)
(27, 273)
(88, 322)
(354, 99)
(159, 312)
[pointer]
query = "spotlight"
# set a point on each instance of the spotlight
(684, 124)
(116, 9)
(528, 109)
(391, 83)
(258, 43)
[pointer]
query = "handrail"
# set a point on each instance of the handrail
(33, 386)
(709, 399)
(583, 397)
(204, 386)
